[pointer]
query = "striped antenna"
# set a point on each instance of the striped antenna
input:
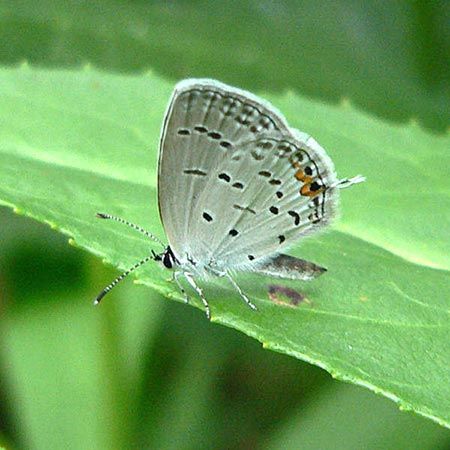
(120, 278)
(131, 225)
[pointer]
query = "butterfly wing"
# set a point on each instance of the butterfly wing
(204, 122)
(280, 189)
(236, 184)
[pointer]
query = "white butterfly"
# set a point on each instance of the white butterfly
(236, 186)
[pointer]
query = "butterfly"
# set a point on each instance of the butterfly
(236, 187)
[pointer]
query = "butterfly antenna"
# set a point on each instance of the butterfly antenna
(120, 278)
(132, 225)
(347, 182)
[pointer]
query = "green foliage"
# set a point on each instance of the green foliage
(77, 142)
(142, 372)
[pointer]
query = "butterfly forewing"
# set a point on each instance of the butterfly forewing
(235, 182)
(205, 120)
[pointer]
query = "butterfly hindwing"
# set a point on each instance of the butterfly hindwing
(285, 192)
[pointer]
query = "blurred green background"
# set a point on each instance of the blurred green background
(149, 373)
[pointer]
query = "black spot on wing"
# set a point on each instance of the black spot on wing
(207, 217)
(195, 172)
(225, 177)
(296, 217)
(214, 135)
(200, 129)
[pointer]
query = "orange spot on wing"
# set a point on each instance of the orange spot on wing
(300, 175)
(306, 191)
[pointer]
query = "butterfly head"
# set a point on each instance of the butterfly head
(167, 258)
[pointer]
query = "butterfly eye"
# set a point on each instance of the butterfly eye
(167, 260)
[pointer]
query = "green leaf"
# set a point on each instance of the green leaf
(74, 143)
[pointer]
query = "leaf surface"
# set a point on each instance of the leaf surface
(76, 142)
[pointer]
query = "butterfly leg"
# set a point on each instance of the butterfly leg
(199, 291)
(180, 287)
(243, 296)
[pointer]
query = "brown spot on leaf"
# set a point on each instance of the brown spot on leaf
(286, 296)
